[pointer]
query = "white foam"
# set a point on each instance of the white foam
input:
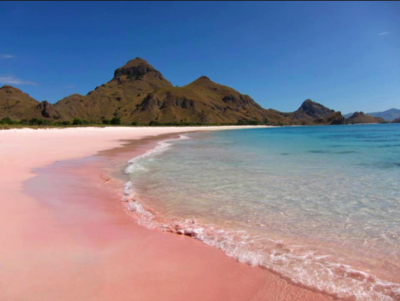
(136, 207)
(128, 192)
(325, 276)
(302, 267)
(134, 164)
(162, 146)
(184, 137)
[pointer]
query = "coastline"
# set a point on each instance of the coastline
(71, 239)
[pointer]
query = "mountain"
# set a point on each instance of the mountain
(313, 110)
(361, 117)
(397, 120)
(309, 112)
(16, 104)
(202, 101)
(117, 98)
(388, 115)
(140, 93)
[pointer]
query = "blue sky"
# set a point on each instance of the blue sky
(345, 55)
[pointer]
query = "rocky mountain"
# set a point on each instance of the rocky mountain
(118, 98)
(397, 120)
(335, 118)
(140, 93)
(202, 101)
(16, 104)
(310, 112)
(361, 117)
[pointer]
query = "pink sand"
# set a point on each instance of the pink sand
(69, 239)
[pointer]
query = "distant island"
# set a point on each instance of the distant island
(138, 94)
(388, 115)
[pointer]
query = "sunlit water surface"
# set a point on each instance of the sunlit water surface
(319, 205)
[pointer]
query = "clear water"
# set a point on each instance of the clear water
(318, 205)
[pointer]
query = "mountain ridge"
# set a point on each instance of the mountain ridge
(138, 93)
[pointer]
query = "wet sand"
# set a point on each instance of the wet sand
(64, 234)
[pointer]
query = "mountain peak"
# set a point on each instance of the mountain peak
(203, 77)
(202, 80)
(355, 114)
(137, 62)
(138, 68)
(10, 89)
(308, 102)
(135, 67)
(312, 109)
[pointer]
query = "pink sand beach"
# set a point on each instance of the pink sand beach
(64, 234)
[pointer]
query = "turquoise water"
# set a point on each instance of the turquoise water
(319, 205)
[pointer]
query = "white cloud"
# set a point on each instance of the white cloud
(7, 56)
(11, 80)
(384, 33)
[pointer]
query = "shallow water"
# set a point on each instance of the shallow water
(318, 205)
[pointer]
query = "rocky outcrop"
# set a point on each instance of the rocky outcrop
(180, 102)
(150, 102)
(335, 118)
(310, 110)
(47, 110)
(138, 68)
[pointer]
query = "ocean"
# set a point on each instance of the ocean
(318, 205)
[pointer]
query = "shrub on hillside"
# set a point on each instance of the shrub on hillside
(36, 121)
(116, 121)
(248, 122)
(6, 120)
(154, 123)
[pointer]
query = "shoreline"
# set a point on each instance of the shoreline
(71, 238)
(150, 217)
